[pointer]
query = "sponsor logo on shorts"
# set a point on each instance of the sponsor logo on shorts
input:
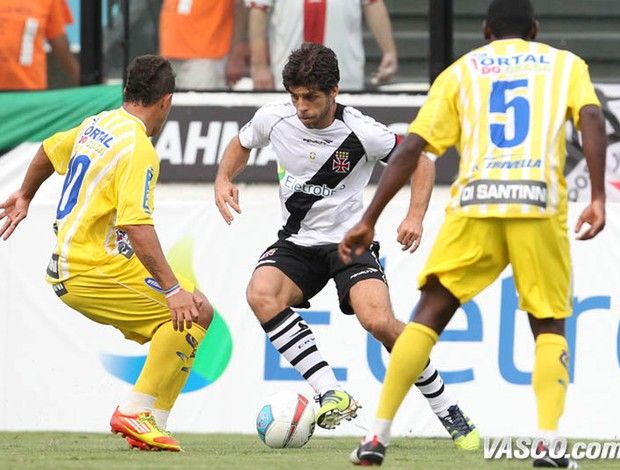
(59, 289)
(153, 284)
(505, 192)
(52, 267)
(365, 271)
(268, 253)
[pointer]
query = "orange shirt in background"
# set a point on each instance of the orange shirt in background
(24, 27)
(196, 29)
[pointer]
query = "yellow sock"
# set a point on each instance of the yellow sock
(168, 363)
(550, 379)
(409, 357)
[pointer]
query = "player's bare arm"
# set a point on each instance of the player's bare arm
(422, 181)
(60, 49)
(183, 307)
(233, 162)
(239, 54)
(400, 168)
(15, 208)
(258, 19)
(594, 138)
(379, 23)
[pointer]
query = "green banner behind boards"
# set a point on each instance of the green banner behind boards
(34, 115)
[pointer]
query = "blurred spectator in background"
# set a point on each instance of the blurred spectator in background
(206, 42)
(24, 27)
(334, 23)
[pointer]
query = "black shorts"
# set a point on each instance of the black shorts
(310, 267)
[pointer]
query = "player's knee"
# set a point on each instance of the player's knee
(205, 315)
(547, 325)
(261, 302)
(377, 325)
(253, 297)
(205, 311)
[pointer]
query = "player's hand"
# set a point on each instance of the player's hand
(594, 217)
(237, 63)
(355, 241)
(409, 234)
(183, 310)
(386, 70)
(198, 300)
(226, 194)
(262, 78)
(14, 210)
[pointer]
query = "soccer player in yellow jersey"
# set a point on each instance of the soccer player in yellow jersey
(504, 107)
(108, 263)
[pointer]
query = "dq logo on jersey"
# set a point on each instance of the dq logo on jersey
(213, 353)
(341, 162)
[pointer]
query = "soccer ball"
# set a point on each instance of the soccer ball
(285, 420)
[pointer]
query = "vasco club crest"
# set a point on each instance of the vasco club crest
(341, 162)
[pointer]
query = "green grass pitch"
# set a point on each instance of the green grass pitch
(34, 450)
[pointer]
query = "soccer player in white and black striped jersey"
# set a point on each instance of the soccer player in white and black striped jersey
(327, 153)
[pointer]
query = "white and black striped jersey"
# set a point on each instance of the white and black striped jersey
(322, 172)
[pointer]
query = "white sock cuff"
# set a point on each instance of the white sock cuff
(380, 428)
(324, 381)
(547, 434)
(137, 402)
(161, 418)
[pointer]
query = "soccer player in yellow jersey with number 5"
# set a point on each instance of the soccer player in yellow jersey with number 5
(108, 263)
(504, 107)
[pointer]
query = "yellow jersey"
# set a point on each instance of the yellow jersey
(111, 170)
(504, 107)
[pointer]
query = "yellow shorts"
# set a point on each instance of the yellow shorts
(122, 294)
(470, 253)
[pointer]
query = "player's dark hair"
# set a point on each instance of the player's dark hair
(149, 78)
(312, 66)
(510, 17)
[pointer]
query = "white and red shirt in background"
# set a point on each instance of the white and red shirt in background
(335, 23)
